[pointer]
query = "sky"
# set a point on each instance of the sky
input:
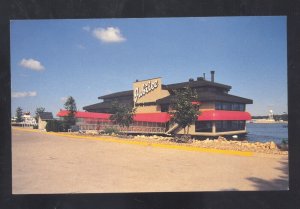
(88, 58)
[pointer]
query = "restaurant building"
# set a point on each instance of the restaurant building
(221, 112)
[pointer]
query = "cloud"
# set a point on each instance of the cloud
(86, 28)
(63, 99)
(23, 94)
(80, 46)
(32, 64)
(109, 35)
(23, 75)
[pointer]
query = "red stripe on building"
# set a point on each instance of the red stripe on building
(224, 115)
(163, 117)
(160, 117)
(79, 114)
(196, 103)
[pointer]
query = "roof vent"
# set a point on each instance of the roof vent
(212, 76)
(191, 79)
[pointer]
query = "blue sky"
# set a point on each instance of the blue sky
(54, 59)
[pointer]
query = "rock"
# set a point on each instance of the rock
(246, 145)
(222, 138)
(207, 141)
(197, 141)
(273, 145)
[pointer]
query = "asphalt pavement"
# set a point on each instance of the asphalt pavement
(44, 164)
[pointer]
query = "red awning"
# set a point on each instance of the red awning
(79, 114)
(160, 117)
(224, 115)
(163, 117)
(196, 103)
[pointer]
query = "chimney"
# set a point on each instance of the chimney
(203, 76)
(212, 76)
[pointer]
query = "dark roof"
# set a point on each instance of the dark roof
(46, 116)
(210, 96)
(117, 94)
(101, 105)
(194, 84)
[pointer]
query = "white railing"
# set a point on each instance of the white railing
(130, 129)
(24, 124)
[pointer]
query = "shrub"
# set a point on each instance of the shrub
(64, 126)
(284, 145)
(54, 125)
(284, 141)
(111, 130)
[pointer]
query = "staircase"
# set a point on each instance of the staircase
(172, 129)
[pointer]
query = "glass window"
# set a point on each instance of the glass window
(203, 126)
(227, 125)
(218, 106)
(236, 107)
(229, 106)
(242, 107)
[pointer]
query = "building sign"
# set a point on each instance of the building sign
(145, 89)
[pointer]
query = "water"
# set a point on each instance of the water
(263, 132)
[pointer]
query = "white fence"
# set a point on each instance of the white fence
(131, 129)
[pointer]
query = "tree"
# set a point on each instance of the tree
(38, 111)
(70, 106)
(122, 114)
(19, 113)
(53, 125)
(185, 111)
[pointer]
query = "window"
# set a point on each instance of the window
(229, 106)
(203, 126)
(236, 107)
(227, 125)
(242, 107)
(218, 106)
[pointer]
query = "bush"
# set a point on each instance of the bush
(284, 141)
(54, 125)
(111, 130)
(284, 145)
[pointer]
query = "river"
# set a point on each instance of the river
(263, 132)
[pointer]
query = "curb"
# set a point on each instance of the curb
(142, 143)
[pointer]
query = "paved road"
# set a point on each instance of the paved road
(43, 163)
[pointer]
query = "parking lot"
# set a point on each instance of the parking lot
(44, 163)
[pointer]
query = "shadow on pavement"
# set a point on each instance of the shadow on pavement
(281, 183)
